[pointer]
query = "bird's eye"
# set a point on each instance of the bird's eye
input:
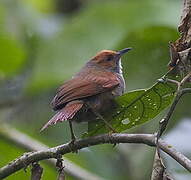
(109, 58)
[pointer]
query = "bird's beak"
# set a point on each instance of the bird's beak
(123, 51)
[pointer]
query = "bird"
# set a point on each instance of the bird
(91, 91)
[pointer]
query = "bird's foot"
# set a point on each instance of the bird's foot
(111, 137)
(72, 145)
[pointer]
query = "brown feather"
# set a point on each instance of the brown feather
(64, 114)
(80, 87)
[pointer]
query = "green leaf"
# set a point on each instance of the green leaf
(135, 108)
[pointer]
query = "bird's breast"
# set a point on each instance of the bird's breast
(119, 90)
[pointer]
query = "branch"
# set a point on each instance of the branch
(54, 152)
(36, 171)
(159, 172)
(30, 144)
(158, 168)
(179, 64)
(180, 91)
(60, 166)
(164, 122)
(186, 90)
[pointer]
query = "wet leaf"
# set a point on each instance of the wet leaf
(135, 108)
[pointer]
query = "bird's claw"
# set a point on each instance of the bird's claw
(72, 145)
(110, 134)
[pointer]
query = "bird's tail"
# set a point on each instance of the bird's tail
(64, 114)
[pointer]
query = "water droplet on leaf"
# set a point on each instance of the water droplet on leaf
(137, 119)
(125, 121)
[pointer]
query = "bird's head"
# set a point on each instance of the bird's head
(108, 59)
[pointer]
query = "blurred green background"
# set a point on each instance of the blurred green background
(44, 42)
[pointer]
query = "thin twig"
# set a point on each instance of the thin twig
(185, 79)
(60, 166)
(36, 171)
(148, 139)
(181, 46)
(164, 122)
(159, 172)
(186, 90)
(158, 168)
(172, 81)
(180, 91)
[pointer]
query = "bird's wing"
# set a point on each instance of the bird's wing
(81, 87)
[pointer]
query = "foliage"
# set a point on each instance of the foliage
(135, 108)
(62, 45)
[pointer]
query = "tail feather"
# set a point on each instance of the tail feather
(64, 114)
